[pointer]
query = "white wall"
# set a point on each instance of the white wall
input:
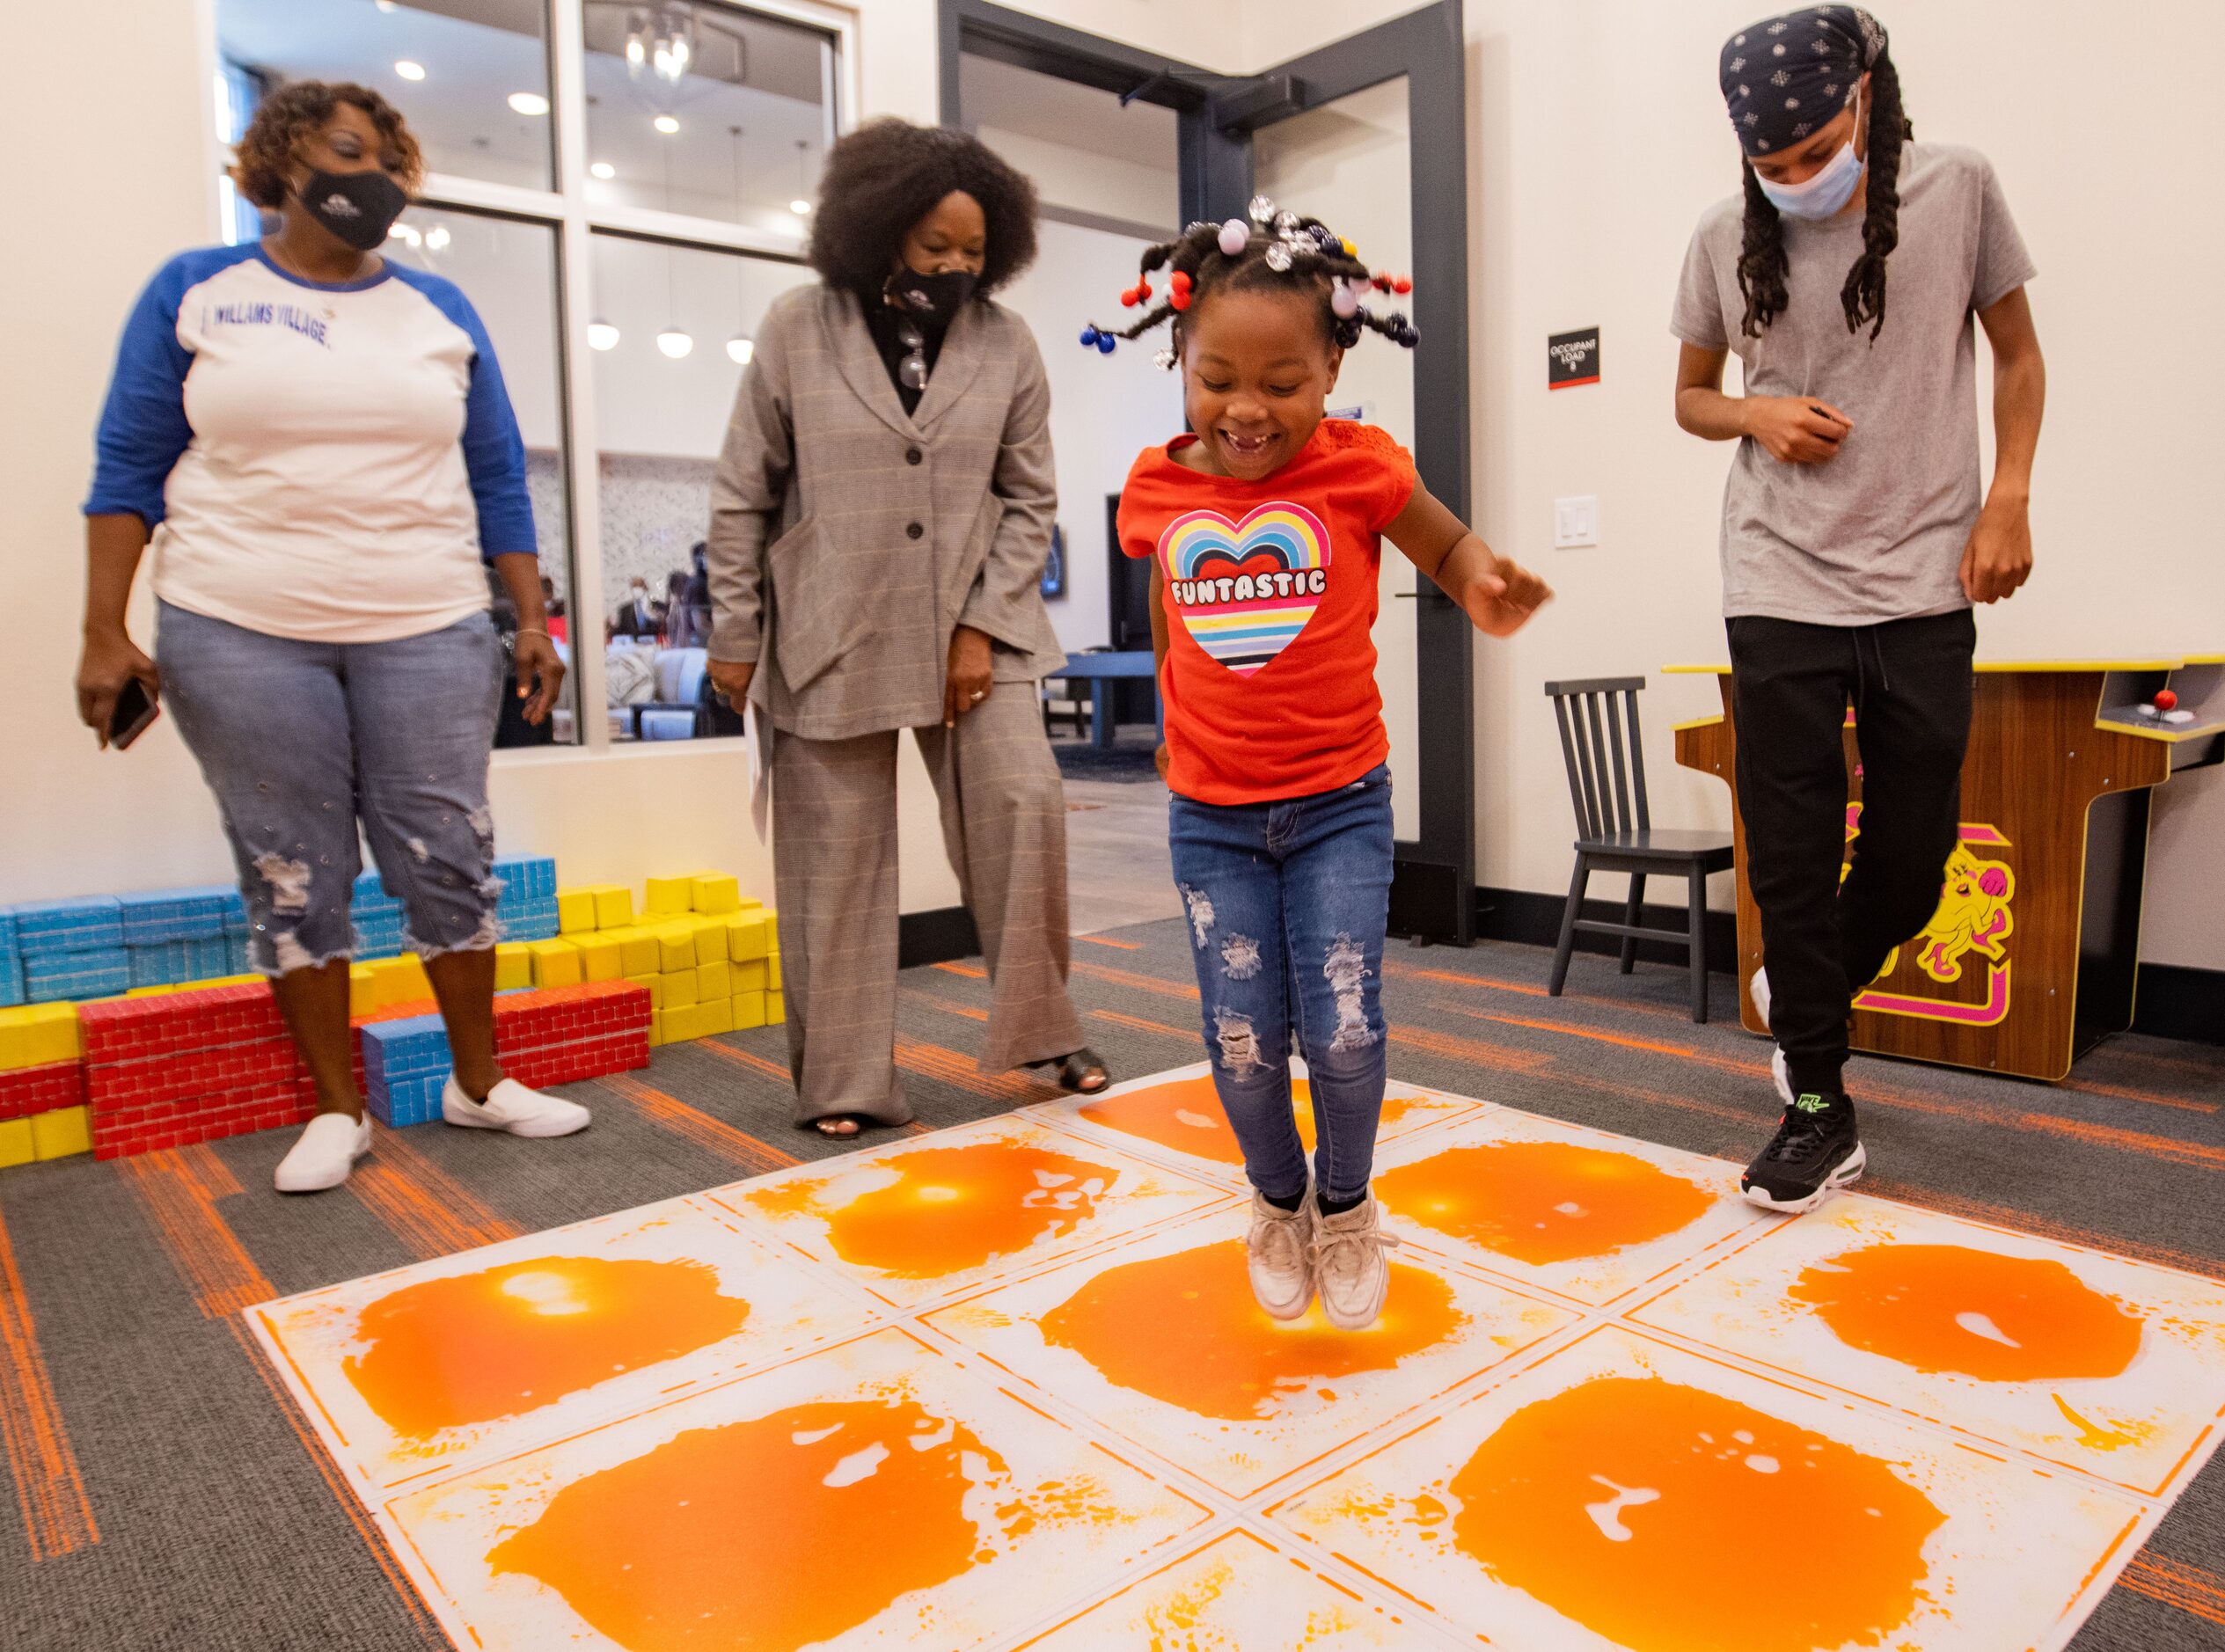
(1595, 140)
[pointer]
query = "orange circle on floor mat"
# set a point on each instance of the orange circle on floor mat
(469, 1348)
(1543, 1202)
(1952, 1308)
(1185, 1329)
(1670, 1519)
(1185, 1114)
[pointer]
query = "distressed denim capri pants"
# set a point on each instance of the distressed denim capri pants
(301, 740)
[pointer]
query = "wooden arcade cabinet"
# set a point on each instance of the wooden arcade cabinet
(2032, 956)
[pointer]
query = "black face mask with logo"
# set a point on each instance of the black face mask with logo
(935, 300)
(358, 208)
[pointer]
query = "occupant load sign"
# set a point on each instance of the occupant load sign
(1572, 359)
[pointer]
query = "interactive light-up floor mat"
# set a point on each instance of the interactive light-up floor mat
(1004, 1386)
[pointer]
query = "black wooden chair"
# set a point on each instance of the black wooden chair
(1615, 831)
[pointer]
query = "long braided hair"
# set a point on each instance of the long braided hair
(1762, 263)
(1273, 252)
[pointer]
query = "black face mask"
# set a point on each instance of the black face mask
(935, 299)
(358, 208)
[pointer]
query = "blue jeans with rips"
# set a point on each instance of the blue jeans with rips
(298, 740)
(1287, 903)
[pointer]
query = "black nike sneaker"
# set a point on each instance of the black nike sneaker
(1815, 1150)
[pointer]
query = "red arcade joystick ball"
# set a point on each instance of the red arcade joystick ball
(2166, 699)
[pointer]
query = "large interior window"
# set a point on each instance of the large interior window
(620, 197)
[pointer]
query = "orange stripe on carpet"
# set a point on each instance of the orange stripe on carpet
(1136, 1023)
(342, 1494)
(2175, 1583)
(1141, 984)
(972, 972)
(1106, 941)
(57, 1518)
(2146, 1097)
(2026, 1222)
(423, 1205)
(713, 1135)
(932, 1060)
(1452, 977)
(742, 1057)
(936, 1000)
(179, 1188)
(1498, 1057)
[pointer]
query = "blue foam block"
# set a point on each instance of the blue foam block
(238, 960)
(10, 980)
(86, 923)
(55, 977)
(7, 929)
(527, 877)
(405, 1066)
(167, 915)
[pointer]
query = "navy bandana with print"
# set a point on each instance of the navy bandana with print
(1784, 76)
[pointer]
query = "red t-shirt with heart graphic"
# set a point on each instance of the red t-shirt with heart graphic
(1270, 589)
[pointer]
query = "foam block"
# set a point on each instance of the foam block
(35, 1034)
(11, 978)
(17, 1144)
(574, 912)
(749, 1010)
(679, 990)
(26, 1090)
(556, 963)
(710, 941)
(527, 877)
(656, 1028)
(676, 947)
(61, 1132)
(714, 981)
(601, 959)
(713, 1016)
(613, 905)
(85, 924)
(60, 976)
(714, 892)
(638, 952)
(776, 1008)
(405, 1066)
(512, 965)
(398, 980)
(182, 1067)
(749, 936)
(567, 1033)
(670, 895)
(168, 914)
(653, 985)
(683, 1024)
(746, 978)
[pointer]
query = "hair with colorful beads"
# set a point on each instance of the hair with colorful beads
(1273, 250)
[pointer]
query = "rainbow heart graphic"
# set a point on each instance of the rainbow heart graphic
(1245, 590)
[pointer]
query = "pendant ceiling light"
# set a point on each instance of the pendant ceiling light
(740, 347)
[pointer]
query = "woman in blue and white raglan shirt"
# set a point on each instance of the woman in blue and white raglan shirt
(318, 444)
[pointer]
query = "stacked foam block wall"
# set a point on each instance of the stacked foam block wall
(182, 1067)
(42, 1086)
(709, 957)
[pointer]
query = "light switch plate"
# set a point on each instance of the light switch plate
(1576, 522)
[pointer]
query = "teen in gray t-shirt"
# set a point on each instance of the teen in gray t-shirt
(1878, 531)
(1855, 537)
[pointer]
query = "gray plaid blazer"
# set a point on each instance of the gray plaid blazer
(849, 540)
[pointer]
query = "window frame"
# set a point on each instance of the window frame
(566, 209)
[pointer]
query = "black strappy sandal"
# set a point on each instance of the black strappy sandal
(1081, 1073)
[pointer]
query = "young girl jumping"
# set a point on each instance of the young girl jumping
(1266, 522)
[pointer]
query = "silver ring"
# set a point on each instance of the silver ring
(980, 694)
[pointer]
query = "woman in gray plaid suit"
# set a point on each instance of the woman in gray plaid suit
(879, 521)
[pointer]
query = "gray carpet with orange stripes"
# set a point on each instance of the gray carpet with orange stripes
(163, 1495)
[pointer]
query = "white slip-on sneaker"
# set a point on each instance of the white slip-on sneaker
(324, 1152)
(1349, 1267)
(1758, 988)
(1279, 1255)
(509, 1106)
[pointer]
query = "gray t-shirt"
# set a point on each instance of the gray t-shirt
(1876, 532)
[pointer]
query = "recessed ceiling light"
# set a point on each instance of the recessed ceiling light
(602, 169)
(741, 349)
(409, 70)
(799, 206)
(385, 5)
(665, 123)
(601, 335)
(436, 238)
(674, 342)
(529, 103)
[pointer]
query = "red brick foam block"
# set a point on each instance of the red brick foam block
(183, 1067)
(28, 1090)
(562, 1035)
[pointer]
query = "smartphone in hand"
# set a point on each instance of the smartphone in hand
(134, 713)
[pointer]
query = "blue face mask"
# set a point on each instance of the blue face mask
(1819, 197)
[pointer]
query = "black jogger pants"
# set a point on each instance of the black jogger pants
(1909, 683)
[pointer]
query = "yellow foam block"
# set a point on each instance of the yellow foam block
(15, 1143)
(190, 986)
(33, 1035)
(675, 946)
(710, 941)
(656, 1028)
(773, 972)
(400, 979)
(656, 984)
(749, 1010)
(684, 1024)
(776, 1008)
(747, 977)
(363, 990)
(714, 981)
(669, 896)
(679, 988)
(717, 1016)
(60, 1132)
(714, 892)
(512, 965)
(748, 936)
(575, 911)
(637, 949)
(556, 963)
(613, 904)
(601, 958)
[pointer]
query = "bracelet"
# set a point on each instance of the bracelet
(531, 631)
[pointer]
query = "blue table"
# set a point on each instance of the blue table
(1102, 668)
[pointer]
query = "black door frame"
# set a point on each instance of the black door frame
(1433, 892)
